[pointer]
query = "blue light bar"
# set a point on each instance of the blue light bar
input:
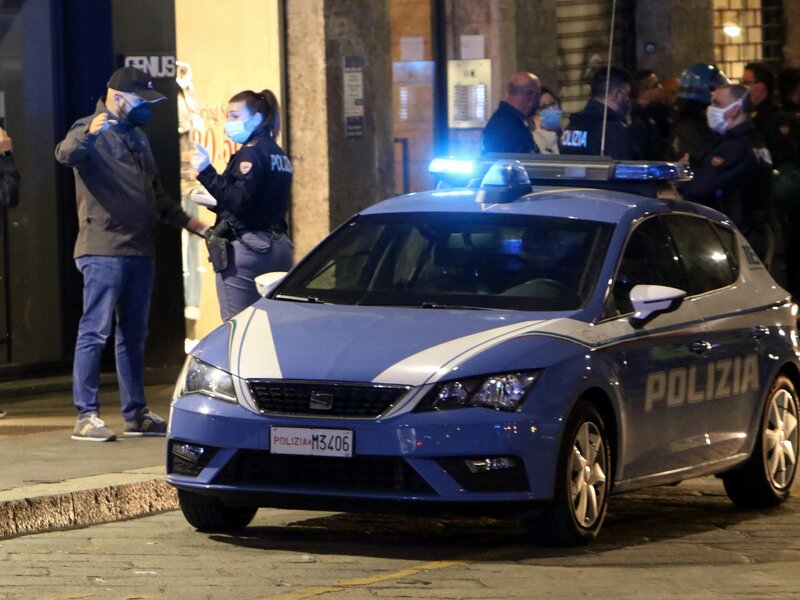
(661, 171)
(453, 166)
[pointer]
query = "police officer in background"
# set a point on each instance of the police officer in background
(507, 130)
(646, 92)
(735, 175)
(252, 198)
(584, 133)
(691, 137)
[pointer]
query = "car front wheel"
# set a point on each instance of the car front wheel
(766, 478)
(210, 515)
(582, 483)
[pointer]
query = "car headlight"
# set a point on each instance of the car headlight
(505, 391)
(202, 378)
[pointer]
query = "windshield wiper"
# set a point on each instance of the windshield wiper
(452, 306)
(309, 299)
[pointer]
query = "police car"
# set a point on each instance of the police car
(557, 332)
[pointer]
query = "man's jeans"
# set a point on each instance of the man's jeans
(115, 288)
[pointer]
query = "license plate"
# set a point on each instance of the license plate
(311, 442)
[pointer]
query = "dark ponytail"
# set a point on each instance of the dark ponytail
(264, 102)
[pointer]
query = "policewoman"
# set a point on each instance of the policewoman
(252, 198)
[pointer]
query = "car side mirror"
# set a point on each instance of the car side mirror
(267, 282)
(649, 301)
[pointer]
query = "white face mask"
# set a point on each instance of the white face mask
(716, 116)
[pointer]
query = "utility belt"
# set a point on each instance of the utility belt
(220, 237)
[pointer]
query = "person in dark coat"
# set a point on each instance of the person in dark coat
(607, 108)
(120, 201)
(691, 137)
(735, 175)
(508, 130)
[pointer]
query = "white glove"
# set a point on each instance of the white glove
(202, 197)
(200, 159)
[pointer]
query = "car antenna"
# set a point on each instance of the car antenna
(608, 76)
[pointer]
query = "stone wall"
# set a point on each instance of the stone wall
(336, 176)
(791, 47)
(673, 34)
(361, 168)
(307, 125)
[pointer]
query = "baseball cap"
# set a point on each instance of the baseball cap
(134, 81)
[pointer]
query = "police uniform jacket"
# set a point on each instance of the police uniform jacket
(735, 177)
(119, 196)
(584, 133)
(691, 135)
(9, 182)
(780, 130)
(507, 132)
(646, 133)
(254, 191)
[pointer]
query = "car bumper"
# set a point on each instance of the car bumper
(420, 459)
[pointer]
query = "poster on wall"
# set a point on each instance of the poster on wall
(354, 96)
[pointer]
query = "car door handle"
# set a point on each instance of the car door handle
(759, 331)
(700, 347)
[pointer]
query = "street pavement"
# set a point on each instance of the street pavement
(48, 481)
(684, 542)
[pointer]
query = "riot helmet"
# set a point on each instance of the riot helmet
(698, 81)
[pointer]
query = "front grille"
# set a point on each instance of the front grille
(324, 399)
(355, 474)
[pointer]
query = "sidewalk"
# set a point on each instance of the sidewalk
(48, 481)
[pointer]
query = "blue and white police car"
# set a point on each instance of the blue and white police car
(513, 347)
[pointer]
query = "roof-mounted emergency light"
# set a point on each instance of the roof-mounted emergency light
(505, 181)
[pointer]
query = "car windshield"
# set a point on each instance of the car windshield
(454, 260)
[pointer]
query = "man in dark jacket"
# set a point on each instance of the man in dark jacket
(9, 181)
(508, 130)
(120, 201)
(609, 107)
(9, 176)
(646, 92)
(735, 175)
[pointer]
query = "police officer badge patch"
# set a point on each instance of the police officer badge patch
(245, 167)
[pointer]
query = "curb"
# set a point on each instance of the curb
(85, 501)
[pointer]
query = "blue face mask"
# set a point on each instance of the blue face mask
(550, 118)
(239, 131)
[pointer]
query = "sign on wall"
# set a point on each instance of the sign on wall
(354, 96)
(158, 66)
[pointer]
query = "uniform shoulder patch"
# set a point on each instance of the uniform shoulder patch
(245, 166)
(717, 161)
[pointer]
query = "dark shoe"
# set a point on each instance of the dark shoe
(149, 423)
(92, 428)
(2, 413)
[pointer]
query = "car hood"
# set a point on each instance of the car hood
(389, 345)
